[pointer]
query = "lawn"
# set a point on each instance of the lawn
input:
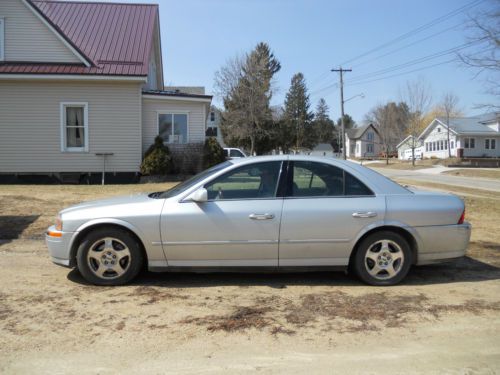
(493, 173)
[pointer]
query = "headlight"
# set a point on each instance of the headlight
(59, 224)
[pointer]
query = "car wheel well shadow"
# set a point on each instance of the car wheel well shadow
(83, 233)
(401, 231)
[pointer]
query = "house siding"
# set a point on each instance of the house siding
(30, 126)
(151, 107)
(27, 38)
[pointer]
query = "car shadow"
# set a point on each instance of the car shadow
(463, 270)
(12, 226)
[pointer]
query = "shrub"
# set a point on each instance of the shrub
(213, 153)
(157, 159)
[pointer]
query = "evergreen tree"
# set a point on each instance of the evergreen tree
(246, 87)
(323, 125)
(297, 130)
(349, 123)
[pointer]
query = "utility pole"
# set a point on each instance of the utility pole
(341, 71)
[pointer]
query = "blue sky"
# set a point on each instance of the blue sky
(311, 37)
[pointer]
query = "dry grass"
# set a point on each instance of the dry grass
(27, 210)
(397, 165)
(481, 173)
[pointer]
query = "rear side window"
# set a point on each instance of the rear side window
(236, 154)
(313, 179)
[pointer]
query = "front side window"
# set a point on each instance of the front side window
(74, 122)
(236, 154)
(255, 181)
(312, 179)
(173, 127)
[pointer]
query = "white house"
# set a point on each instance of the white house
(323, 149)
(405, 148)
(213, 125)
(362, 142)
(477, 136)
(79, 79)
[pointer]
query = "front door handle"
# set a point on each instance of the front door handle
(364, 214)
(261, 216)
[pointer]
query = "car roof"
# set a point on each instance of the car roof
(376, 181)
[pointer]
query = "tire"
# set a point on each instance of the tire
(109, 256)
(383, 258)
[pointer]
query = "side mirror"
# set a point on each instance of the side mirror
(199, 196)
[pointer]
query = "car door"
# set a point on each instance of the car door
(324, 210)
(237, 226)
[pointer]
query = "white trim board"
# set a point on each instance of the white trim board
(182, 98)
(73, 77)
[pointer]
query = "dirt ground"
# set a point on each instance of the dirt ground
(442, 319)
(493, 173)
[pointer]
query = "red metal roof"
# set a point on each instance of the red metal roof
(116, 38)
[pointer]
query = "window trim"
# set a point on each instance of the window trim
(2, 39)
(173, 113)
(62, 115)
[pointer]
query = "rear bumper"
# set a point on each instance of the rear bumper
(59, 247)
(442, 243)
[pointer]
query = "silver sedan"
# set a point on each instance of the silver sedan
(276, 213)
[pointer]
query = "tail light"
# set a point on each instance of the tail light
(462, 217)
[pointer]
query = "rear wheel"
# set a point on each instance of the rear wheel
(383, 258)
(109, 256)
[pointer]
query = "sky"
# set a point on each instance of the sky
(312, 37)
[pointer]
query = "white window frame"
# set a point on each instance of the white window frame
(467, 143)
(2, 39)
(63, 107)
(173, 113)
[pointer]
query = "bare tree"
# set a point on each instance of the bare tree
(484, 28)
(449, 105)
(391, 120)
(417, 95)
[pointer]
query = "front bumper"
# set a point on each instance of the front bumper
(441, 243)
(59, 247)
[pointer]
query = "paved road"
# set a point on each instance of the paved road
(422, 175)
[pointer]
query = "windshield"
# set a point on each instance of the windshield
(177, 189)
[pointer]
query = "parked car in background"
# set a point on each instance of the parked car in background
(234, 153)
(265, 213)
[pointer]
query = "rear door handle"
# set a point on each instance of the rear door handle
(364, 214)
(261, 216)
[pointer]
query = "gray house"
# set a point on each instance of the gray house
(71, 91)
(362, 142)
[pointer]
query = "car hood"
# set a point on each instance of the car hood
(109, 202)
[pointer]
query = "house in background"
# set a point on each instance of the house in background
(362, 142)
(405, 148)
(213, 125)
(70, 91)
(323, 149)
(477, 136)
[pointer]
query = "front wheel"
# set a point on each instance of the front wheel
(109, 256)
(383, 258)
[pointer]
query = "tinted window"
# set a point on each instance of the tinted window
(312, 179)
(259, 180)
(236, 153)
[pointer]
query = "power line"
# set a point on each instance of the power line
(408, 45)
(400, 74)
(417, 30)
(416, 61)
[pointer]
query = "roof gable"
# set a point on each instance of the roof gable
(356, 133)
(116, 38)
(461, 126)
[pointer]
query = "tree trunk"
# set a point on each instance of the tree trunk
(386, 155)
(252, 144)
(413, 156)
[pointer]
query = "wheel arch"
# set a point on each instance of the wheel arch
(405, 232)
(115, 224)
